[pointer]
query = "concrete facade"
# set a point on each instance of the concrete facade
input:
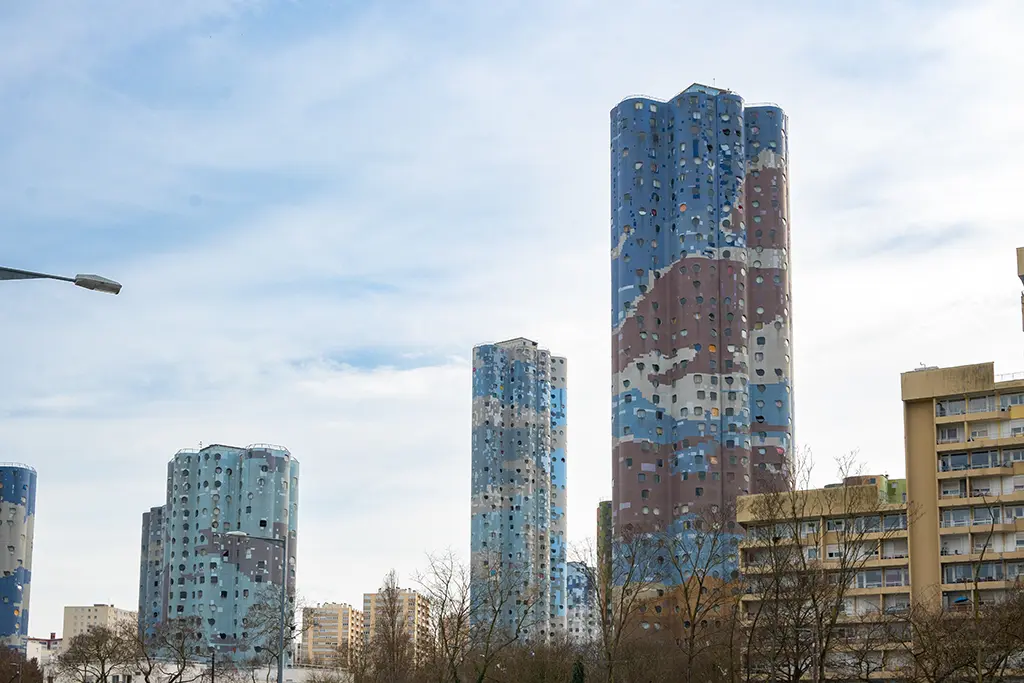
(332, 633)
(18, 500)
(227, 511)
(151, 567)
(582, 617)
(519, 483)
(79, 619)
(701, 344)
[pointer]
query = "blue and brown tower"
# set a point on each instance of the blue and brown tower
(701, 335)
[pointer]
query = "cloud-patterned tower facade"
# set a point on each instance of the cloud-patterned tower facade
(227, 514)
(18, 496)
(701, 347)
(519, 481)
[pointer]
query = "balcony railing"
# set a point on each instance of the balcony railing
(947, 523)
(899, 555)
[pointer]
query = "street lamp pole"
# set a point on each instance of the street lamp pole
(94, 282)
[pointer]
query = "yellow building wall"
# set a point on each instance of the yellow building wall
(922, 500)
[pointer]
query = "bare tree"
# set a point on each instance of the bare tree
(328, 674)
(701, 580)
(390, 654)
(534, 663)
(624, 585)
(446, 585)
(93, 656)
(796, 610)
(14, 667)
(979, 639)
(262, 631)
(504, 610)
(172, 652)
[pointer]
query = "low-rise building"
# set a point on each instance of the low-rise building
(44, 651)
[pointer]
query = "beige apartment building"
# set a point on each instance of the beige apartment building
(415, 612)
(332, 634)
(858, 527)
(964, 429)
(78, 620)
(955, 525)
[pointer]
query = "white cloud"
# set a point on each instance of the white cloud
(412, 185)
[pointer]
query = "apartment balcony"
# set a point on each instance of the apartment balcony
(898, 555)
(964, 555)
(877, 590)
(983, 584)
(954, 524)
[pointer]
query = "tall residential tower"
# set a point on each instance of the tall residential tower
(18, 496)
(216, 547)
(518, 540)
(701, 357)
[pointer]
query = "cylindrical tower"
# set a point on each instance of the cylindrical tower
(228, 512)
(767, 199)
(518, 533)
(694, 288)
(18, 495)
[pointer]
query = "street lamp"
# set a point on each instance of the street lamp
(93, 282)
(284, 590)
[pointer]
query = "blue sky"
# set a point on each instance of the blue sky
(317, 208)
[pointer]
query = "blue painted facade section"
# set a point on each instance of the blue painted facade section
(582, 618)
(18, 496)
(518, 525)
(192, 564)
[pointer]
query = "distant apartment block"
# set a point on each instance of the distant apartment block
(18, 501)
(582, 618)
(217, 545)
(332, 634)
(82, 619)
(415, 615)
(518, 537)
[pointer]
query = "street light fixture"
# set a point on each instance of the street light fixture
(283, 542)
(94, 282)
